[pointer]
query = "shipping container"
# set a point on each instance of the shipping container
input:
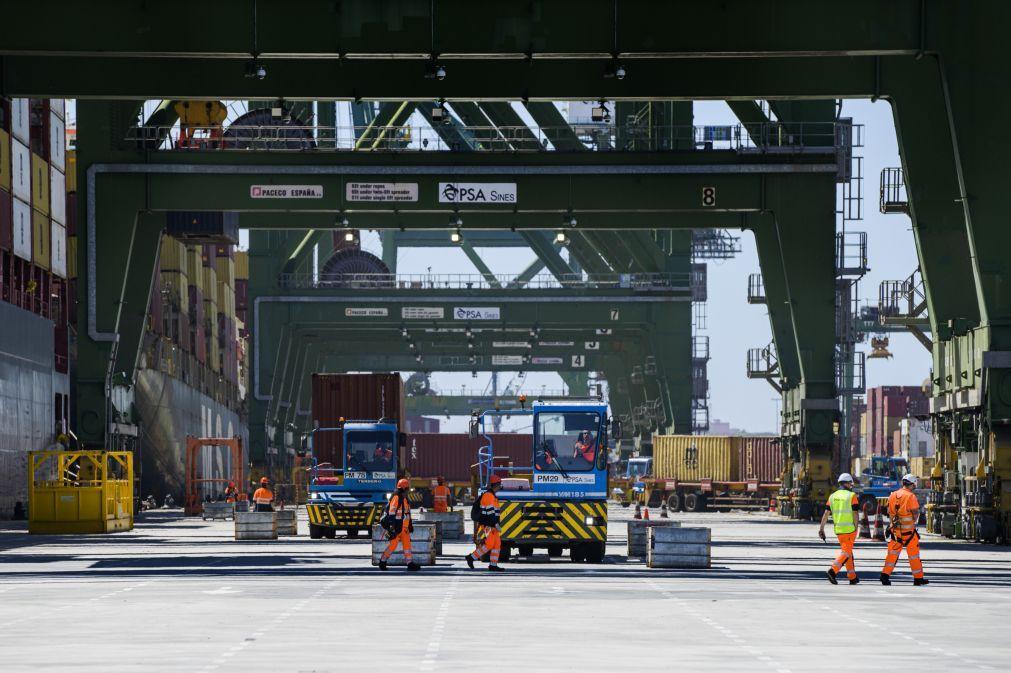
(204, 227)
(196, 303)
(71, 171)
(57, 142)
(200, 343)
(917, 438)
(21, 171)
(759, 458)
(71, 214)
(422, 424)
(58, 241)
(226, 299)
(58, 106)
(57, 196)
(431, 455)
(6, 224)
(41, 237)
(156, 309)
(351, 397)
(225, 267)
(694, 457)
(182, 335)
(173, 256)
(21, 120)
(174, 285)
(40, 184)
(5, 161)
(921, 466)
(209, 285)
(241, 294)
(224, 250)
(21, 229)
(241, 265)
(72, 258)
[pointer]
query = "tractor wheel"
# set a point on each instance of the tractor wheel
(594, 552)
(330, 533)
(505, 552)
(315, 532)
(577, 552)
(353, 533)
(526, 550)
(554, 550)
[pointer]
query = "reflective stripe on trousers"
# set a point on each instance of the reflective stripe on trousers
(402, 538)
(491, 545)
(912, 546)
(845, 556)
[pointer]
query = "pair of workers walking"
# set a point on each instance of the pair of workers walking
(397, 523)
(903, 512)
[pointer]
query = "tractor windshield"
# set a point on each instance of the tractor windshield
(566, 441)
(369, 451)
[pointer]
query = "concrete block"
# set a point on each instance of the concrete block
(256, 525)
(452, 523)
(425, 545)
(637, 534)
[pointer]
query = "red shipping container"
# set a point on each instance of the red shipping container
(72, 214)
(760, 458)
(209, 254)
(431, 455)
(241, 294)
(200, 343)
(6, 221)
(183, 334)
(361, 397)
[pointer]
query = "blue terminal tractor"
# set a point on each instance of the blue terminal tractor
(350, 497)
(555, 497)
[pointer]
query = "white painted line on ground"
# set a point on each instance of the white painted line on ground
(438, 629)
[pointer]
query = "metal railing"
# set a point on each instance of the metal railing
(756, 289)
(714, 244)
(772, 137)
(892, 191)
(700, 347)
(850, 376)
(644, 282)
(851, 253)
(902, 298)
(762, 363)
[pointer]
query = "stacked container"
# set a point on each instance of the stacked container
(364, 397)
(175, 309)
(224, 266)
(886, 407)
(21, 179)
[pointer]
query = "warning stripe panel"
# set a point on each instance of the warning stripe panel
(553, 521)
(327, 514)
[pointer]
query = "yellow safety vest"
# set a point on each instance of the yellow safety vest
(841, 504)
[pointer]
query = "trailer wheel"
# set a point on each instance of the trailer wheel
(594, 552)
(526, 550)
(505, 552)
(353, 532)
(695, 502)
(330, 533)
(674, 502)
(577, 552)
(554, 550)
(315, 532)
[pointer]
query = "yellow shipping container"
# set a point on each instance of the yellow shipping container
(921, 466)
(210, 284)
(226, 300)
(695, 457)
(41, 232)
(40, 184)
(226, 270)
(241, 265)
(5, 161)
(173, 255)
(214, 356)
(194, 262)
(211, 313)
(71, 257)
(176, 288)
(71, 171)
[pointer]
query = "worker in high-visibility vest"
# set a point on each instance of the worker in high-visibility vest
(230, 492)
(399, 512)
(843, 506)
(903, 512)
(442, 496)
(488, 526)
(263, 497)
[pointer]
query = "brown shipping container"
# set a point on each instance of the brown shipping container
(759, 458)
(362, 397)
(694, 457)
(430, 455)
(6, 221)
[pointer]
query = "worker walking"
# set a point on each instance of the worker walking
(263, 497)
(843, 506)
(398, 526)
(442, 496)
(487, 536)
(230, 492)
(903, 513)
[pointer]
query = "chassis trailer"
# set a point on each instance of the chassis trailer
(553, 497)
(638, 486)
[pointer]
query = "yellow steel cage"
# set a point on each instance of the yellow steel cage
(80, 491)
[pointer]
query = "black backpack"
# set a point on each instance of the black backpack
(475, 510)
(390, 523)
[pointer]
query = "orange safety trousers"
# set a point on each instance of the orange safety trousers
(491, 544)
(403, 539)
(845, 556)
(911, 541)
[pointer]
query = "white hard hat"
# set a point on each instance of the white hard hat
(910, 479)
(844, 477)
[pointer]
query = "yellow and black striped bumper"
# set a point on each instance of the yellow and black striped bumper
(333, 515)
(533, 522)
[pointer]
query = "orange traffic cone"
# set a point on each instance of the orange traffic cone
(645, 513)
(772, 504)
(879, 527)
(865, 525)
(638, 512)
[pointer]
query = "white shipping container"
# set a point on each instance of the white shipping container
(22, 213)
(917, 438)
(19, 119)
(58, 246)
(58, 196)
(21, 171)
(57, 142)
(59, 107)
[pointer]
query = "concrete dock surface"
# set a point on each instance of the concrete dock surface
(179, 594)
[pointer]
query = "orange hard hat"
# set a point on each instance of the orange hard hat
(264, 481)
(494, 479)
(403, 483)
(231, 484)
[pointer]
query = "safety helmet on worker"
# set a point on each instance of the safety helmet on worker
(403, 483)
(264, 481)
(909, 479)
(494, 479)
(845, 478)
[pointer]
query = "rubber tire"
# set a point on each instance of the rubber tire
(554, 550)
(695, 502)
(315, 532)
(353, 533)
(330, 533)
(505, 552)
(578, 552)
(674, 502)
(526, 550)
(594, 552)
